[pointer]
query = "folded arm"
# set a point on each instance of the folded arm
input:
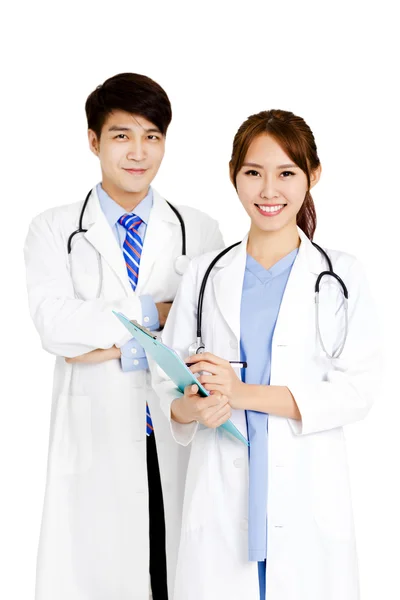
(68, 326)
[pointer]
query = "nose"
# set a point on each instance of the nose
(269, 190)
(136, 151)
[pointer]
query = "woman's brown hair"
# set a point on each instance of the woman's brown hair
(296, 139)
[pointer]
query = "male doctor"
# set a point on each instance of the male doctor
(114, 469)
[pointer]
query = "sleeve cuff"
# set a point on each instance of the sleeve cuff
(183, 433)
(127, 334)
(133, 357)
(149, 313)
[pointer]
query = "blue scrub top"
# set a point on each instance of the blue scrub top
(261, 299)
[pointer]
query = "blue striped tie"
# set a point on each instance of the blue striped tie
(132, 250)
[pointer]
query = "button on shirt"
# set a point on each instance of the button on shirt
(261, 299)
(133, 357)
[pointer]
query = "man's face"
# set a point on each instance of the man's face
(130, 150)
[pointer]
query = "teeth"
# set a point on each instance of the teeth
(271, 209)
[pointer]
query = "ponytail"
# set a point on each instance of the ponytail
(307, 217)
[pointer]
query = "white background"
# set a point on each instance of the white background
(332, 63)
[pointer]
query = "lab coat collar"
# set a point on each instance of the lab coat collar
(228, 280)
(101, 236)
(308, 255)
(93, 210)
(158, 236)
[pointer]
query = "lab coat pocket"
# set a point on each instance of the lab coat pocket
(71, 444)
(331, 486)
(197, 511)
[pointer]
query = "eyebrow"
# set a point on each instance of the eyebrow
(124, 128)
(287, 166)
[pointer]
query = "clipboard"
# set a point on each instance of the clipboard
(172, 364)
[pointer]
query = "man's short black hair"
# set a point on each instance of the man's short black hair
(132, 93)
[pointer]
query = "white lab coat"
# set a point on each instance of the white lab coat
(311, 546)
(94, 536)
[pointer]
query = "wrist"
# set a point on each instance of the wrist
(242, 396)
(179, 411)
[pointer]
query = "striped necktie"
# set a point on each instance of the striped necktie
(132, 250)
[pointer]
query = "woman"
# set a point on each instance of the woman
(273, 521)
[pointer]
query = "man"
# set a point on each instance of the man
(103, 535)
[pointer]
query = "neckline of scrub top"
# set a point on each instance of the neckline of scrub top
(114, 211)
(264, 275)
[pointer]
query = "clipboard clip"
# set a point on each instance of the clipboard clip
(144, 330)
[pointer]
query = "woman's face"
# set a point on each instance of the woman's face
(270, 186)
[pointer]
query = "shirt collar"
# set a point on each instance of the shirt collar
(113, 211)
(278, 268)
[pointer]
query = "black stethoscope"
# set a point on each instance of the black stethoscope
(181, 262)
(198, 346)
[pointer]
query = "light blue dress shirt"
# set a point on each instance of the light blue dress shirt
(261, 299)
(133, 357)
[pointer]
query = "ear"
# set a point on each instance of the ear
(93, 142)
(315, 175)
(231, 174)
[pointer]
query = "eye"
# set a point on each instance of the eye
(153, 137)
(286, 174)
(121, 136)
(252, 173)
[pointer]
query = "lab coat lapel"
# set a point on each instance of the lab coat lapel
(298, 298)
(101, 236)
(228, 284)
(299, 292)
(158, 238)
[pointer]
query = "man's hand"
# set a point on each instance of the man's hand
(163, 310)
(96, 356)
(221, 378)
(210, 411)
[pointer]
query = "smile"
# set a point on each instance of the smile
(270, 210)
(136, 171)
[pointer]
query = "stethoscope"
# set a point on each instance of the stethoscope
(198, 346)
(181, 263)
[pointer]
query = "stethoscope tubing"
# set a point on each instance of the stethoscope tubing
(330, 272)
(80, 225)
(82, 230)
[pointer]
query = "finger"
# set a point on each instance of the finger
(191, 390)
(213, 403)
(205, 366)
(215, 387)
(218, 417)
(206, 356)
(210, 402)
(211, 379)
(224, 418)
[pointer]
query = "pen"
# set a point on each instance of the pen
(237, 364)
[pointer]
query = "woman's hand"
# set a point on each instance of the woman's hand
(96, 356)
(222, 378)
(211, 411)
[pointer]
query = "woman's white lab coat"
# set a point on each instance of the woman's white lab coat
(311, 546)
(95, 531)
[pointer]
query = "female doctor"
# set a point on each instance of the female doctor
(273, 520)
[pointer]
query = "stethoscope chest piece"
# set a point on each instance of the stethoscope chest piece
(197, 347)
(181, 264)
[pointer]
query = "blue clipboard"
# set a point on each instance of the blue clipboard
(172, 364)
